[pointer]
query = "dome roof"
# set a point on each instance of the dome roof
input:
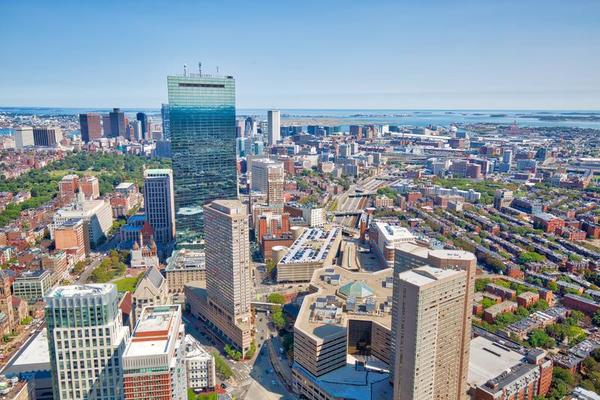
(356, 289)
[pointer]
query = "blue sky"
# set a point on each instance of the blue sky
(306, 54)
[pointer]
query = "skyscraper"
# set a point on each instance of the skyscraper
(411, 255)
(106, 126)
(159, 204)
(250, 128)
(143, 118)
(118, 126)
(228, 272)
(86, 339)
(203, 146)
(429, 334)
(90, 126)
(154, 360)
(274, 126)
(166, 125)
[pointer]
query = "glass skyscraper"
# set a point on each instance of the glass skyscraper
(203, 146)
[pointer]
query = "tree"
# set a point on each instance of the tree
(480, 284)
(596, 318)
(539, 338)
(553, 286)
(278, 318)
(251, 351)
(530, 256)
(232, 353)
(276, 298)
(270, 266)
(222, 367)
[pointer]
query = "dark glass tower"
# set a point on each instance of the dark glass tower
(143, 118)
(203, 146)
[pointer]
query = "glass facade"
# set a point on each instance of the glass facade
(203, 145)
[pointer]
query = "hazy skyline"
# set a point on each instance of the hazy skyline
(312, 54)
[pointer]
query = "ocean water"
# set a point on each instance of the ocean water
(525, 118)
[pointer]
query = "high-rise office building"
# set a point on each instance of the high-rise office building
(118, 126)
(86, 339)
(428, 342)
(159, 203)
(166, 124)
(90, 126)
(106, 131)
(228, 271)
(143, 118)
(47, 137)
(250, 128)
(23, 137)
(154, 360)
(268, 177)
(203, 146)
(274, 126)
(409, 256)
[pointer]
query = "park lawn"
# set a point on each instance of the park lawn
(126, 284)
(201, 396)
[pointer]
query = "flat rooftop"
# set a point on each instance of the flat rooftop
(312, 246)
(92, 289)
(488, 359)
(35, 355)
(321, 322)
(154, 331)
(185, 259)
(426, 274)
(393, 233)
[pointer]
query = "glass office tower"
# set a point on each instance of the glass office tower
(203, 146)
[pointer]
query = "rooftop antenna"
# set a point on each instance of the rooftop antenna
(184, 69)
(217, 70)
(200, 68)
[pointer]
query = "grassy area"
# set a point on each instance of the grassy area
(126, 284)
(202, 396)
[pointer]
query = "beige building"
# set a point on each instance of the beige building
(410, 255)
(268, 178)
(151, 290)
(343, 323)
(184, 266)
(229, 287)
(429, 344)
(315, 248)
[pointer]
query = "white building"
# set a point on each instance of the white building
(385, 237)
(199, 365)
(155, 355)
(96, 213)
(274, 126)
(86, 337)
(313, 216)
(23, 137)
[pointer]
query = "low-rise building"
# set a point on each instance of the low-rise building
(151, 290)
(315, 248)
(490, 313)
(581, 303)
(498, 373)
(385, 237)
(32, 286)
(199, 365)
(527, 299)
(184, 265)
